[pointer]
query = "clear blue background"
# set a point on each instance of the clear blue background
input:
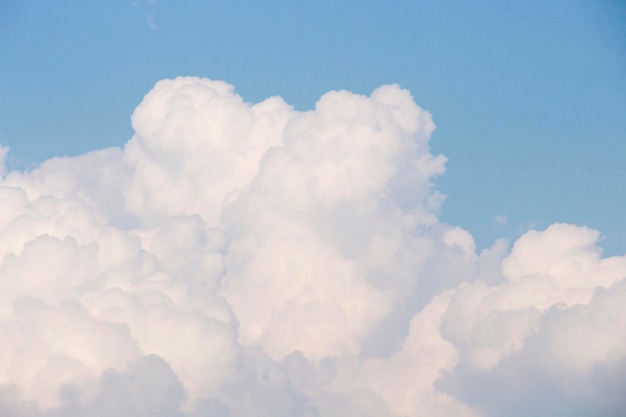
(529, 96)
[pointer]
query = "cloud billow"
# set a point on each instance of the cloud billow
(238, 259)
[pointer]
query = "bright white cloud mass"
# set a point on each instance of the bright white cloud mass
(239, 259)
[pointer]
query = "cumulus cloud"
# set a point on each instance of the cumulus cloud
(241, 259)
(3, 155)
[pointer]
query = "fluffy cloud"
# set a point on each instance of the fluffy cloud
(238, 259)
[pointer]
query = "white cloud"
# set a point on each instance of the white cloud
(242, 259)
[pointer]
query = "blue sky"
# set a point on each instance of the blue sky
(529, 98)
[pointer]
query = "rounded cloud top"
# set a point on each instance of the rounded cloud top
(240, 259)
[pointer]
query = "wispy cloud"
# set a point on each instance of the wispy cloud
(147, 5)
(150, 19)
